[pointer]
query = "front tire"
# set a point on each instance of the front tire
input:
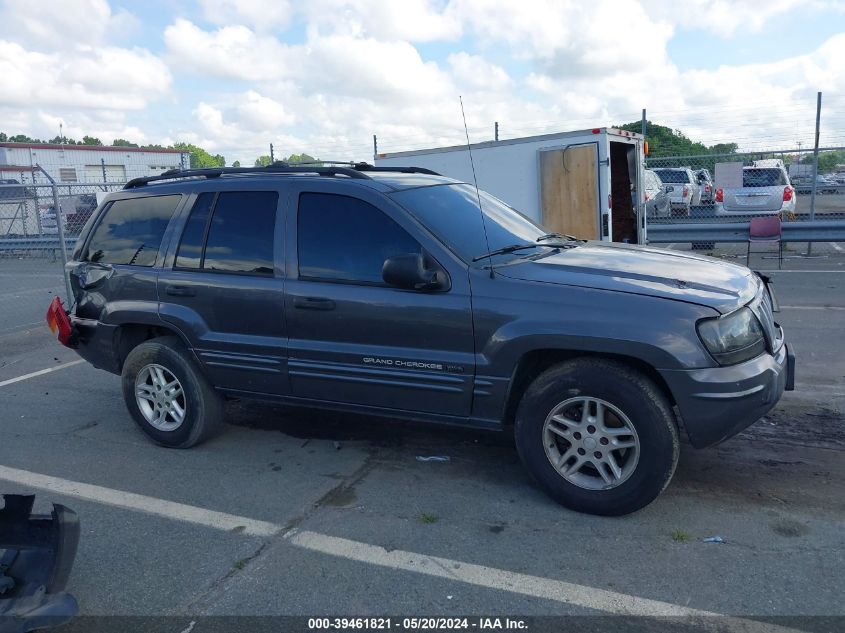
(597, 436)
(169, 399)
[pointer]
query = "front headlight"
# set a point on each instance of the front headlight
(734, 338)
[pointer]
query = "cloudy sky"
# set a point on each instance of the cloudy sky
(323, 76)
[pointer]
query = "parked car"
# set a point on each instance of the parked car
(401, 293)
(764, 191)
(825, 184)
(705, 182)
(684, 191)
(657, 202)
(12, 191)
(82, 206)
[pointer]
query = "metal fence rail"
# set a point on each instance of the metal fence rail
(737, 232)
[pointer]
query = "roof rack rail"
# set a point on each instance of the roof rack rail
(275, 168)
(362, 166)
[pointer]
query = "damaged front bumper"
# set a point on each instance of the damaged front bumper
(36, 557)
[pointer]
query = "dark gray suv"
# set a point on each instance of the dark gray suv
(392, 292)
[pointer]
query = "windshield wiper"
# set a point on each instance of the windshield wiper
(506, 249)
(558, 236)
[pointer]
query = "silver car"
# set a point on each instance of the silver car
(764, 191)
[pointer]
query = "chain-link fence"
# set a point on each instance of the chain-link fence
(31, 263)
(722, 188)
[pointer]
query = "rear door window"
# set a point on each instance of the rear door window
(131, 230)
(231, 232)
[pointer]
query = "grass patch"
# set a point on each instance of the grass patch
(428, 519)
(680, 536)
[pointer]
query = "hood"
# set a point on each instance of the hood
(642, 270)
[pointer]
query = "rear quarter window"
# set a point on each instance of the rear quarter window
(131, 230)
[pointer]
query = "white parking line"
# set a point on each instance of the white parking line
(813, 307)
(458, 571)
(41, 372)
(837, 247)
(490, 577)
(141, 503)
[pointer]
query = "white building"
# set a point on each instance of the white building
(86, 163)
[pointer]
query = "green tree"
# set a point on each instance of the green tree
(91, 140)
(262, 161)
(122, 142)
(301, 158)
(237, 163)
(200, 157)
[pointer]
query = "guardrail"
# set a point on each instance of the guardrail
(35, 243)
(811, 231)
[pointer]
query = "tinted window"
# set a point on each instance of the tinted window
(347, 239)
(762, 178)
(451, 213)
(240, 237)
(672, 175)
(130, 232)
(190, 248)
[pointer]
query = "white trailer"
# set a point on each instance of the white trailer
(583, 183)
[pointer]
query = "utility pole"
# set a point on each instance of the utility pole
(375, 148)
(496, 131)
(272, 158)
(642, 127)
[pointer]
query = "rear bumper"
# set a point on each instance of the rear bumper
(716, 403)
(95, 343)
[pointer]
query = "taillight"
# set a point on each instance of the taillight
(58, 321)
(720, 195)
(787, 193)
(686, 191)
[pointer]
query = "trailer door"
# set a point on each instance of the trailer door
(569, 185)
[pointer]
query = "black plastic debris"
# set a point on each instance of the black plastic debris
(36, 557)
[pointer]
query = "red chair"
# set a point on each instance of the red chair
(765, 230)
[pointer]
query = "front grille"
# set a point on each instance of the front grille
(762, 307)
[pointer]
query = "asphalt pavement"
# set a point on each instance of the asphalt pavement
(291, 511)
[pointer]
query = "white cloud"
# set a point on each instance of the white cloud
(569, 37)
(392, 20)
(724, 18)
(260, 14)
(89, 77)
(476, 72)
(63, 25)
(336, 63)
(230, 52)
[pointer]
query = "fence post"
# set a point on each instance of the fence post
(815, 167)
(60, 225)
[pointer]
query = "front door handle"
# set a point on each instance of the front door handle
(313, 303)
(180, 291)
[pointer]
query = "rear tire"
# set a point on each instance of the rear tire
(168, 397)
(624, 409)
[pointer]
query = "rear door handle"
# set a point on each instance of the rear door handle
(180, 291)
(313, 303)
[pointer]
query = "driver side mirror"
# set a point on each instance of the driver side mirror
(412, 271)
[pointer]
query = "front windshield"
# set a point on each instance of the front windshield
(451, 213)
